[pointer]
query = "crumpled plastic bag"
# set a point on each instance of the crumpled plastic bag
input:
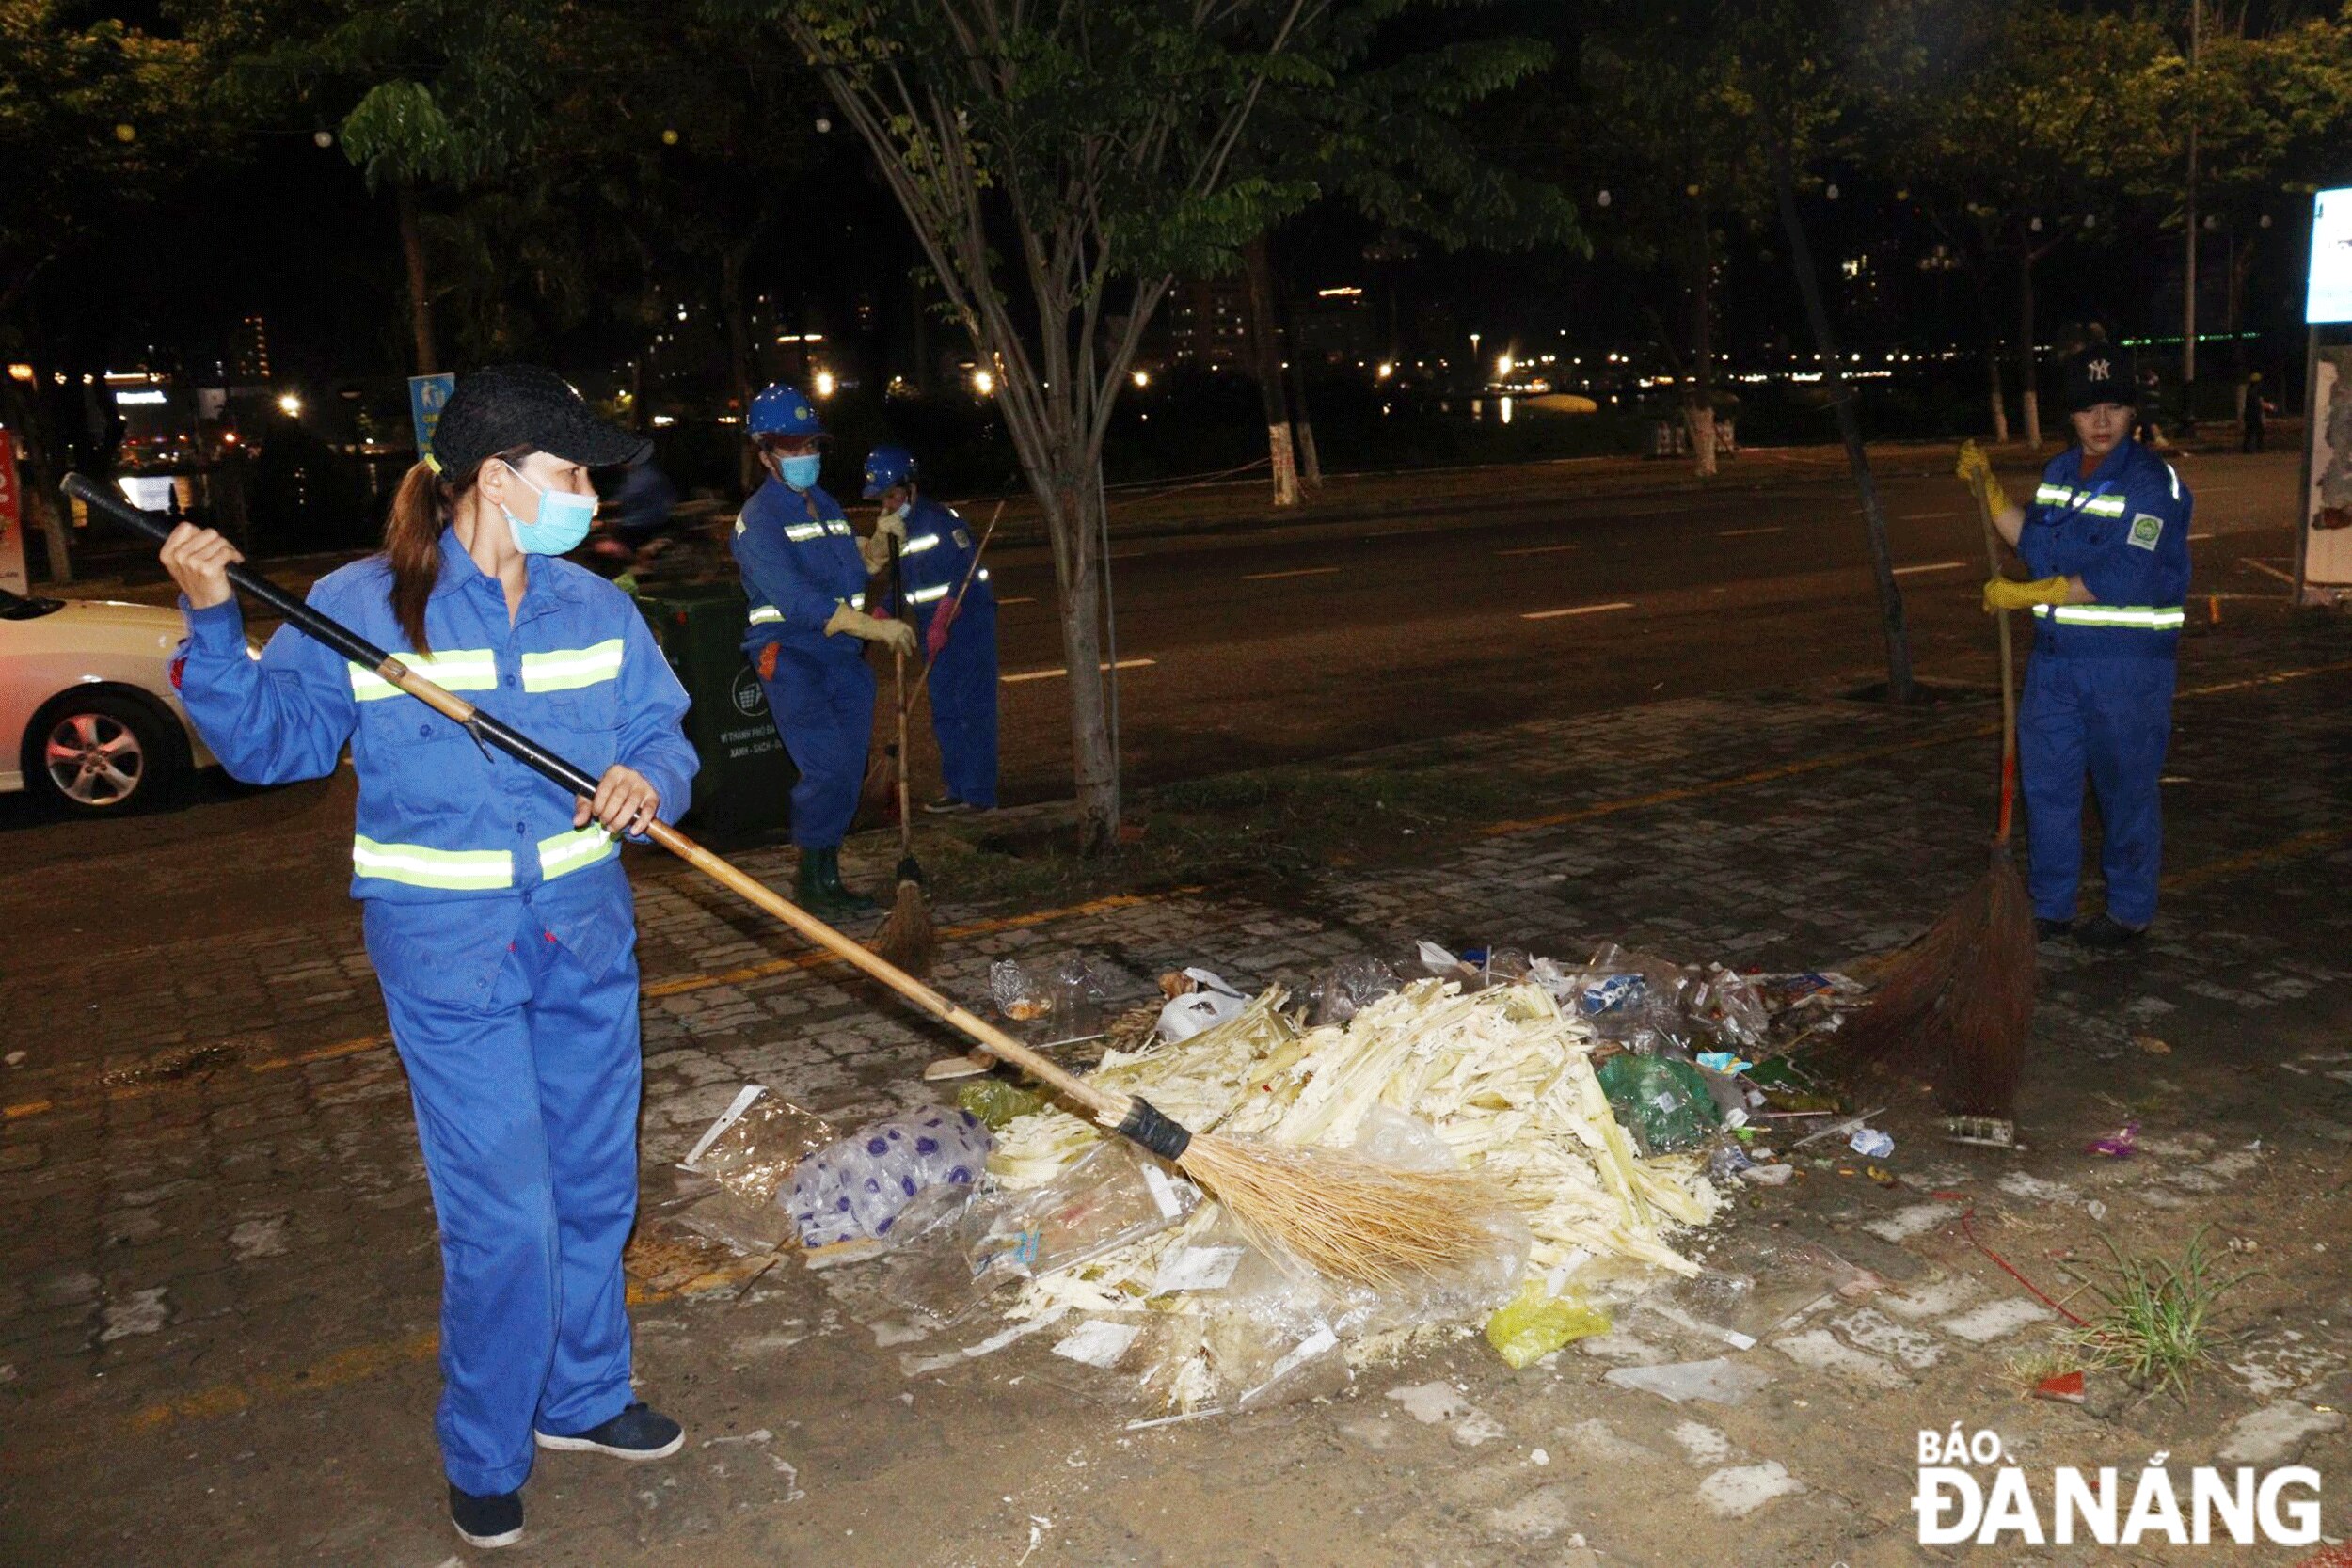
(853, 1189)
(1536, 1323)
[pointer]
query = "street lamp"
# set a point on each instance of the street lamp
(825, 384)
(290, 404)
(1503, 367)
(1141, 379)
(983, 383)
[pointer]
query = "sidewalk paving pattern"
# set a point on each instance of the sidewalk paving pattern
(218, 1273)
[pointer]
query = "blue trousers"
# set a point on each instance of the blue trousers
(964, 705)
(823, 703)
(526, 1106)
(2110, 719)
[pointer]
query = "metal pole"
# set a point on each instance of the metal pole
(2189, 286)
(2310, 442)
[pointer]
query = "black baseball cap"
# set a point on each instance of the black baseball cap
(499, 407)
(2098, 373)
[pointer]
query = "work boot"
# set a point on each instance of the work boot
(2052, 930)
(2105, 930)
(847, 901)
(487, 1522)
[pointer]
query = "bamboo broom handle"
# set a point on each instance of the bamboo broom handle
(2009, 679)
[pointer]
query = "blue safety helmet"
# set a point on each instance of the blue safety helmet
(886, 466)
(781, 410)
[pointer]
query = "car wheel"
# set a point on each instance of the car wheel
(99, 753)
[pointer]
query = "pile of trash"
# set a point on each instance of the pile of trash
(1607, 1101)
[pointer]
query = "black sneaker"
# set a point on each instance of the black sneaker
(487, 1522)
(2052, 930)
(638, 1432)
(946, 805)
(2101, 930)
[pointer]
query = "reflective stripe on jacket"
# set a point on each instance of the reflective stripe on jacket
(2124, 532)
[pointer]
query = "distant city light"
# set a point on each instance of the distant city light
(1387, 369)
(1346, 290)
(1141, 378)
(289, 404)
(228, 438)
(1503, 366)
(151, 395)
(20, 371)
(322, 139)
(825, 384)
(663, 421)
(983, 383)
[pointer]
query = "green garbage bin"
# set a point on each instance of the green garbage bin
(743, 794)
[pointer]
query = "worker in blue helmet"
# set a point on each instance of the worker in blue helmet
(947, 597)
(2106, 542)
(805, 573)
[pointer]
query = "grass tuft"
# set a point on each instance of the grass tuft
(2154, 1324)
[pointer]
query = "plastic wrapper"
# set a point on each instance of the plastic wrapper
(1111, 1197)
(1536, 1323)
(741, 1223)
(1208, 1003)
(1728, 1006)
(854, 1189)
(753, 1146)
(996, 1102)
(1054, 999)
(1664, 1103)
(1347, 986)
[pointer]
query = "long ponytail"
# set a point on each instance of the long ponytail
(412, 545)
(421, 508)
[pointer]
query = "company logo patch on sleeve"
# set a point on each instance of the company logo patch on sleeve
(2146, 529)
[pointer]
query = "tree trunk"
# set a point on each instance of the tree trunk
(1699, 400)
(1899, 682)
(738, 318)
(1073, 507)
(1265, 348)
(2028, 400)
(1992, 391)
(420, 293)
(36, 481)
(1295, 383)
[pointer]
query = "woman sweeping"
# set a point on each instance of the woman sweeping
(495, 910)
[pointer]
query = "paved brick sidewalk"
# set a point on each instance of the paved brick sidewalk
(219, 1277)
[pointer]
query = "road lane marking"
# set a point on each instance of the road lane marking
(1300, 572)
(1001, 603)
(1923, 516)
(2266, 569)
(1056, 674)
(1576, 610)
(2194, 537)
(1746, 532)
(1932, 567)
(1538, 549)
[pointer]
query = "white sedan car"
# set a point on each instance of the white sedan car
(88, 714)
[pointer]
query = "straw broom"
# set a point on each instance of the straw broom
(906, 938)
(1957, 1003)
(1347, 1217)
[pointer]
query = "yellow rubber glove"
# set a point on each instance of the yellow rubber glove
(1975, 472)
(895, 634)
(2002, 593)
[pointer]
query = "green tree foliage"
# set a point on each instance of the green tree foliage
(97, 118)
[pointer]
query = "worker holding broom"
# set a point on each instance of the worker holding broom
(948, 598)
(2106, 542)
(805, 573)
(496, 914)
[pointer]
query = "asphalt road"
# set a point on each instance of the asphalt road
(1281, 643)
(1284, 643)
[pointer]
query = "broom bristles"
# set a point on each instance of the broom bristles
(1954, 1006)
(908, 939)
(1347, 1217)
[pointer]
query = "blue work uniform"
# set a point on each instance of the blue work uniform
(504, 939)
(801, 563)
(937, 556)
(2098, 696)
